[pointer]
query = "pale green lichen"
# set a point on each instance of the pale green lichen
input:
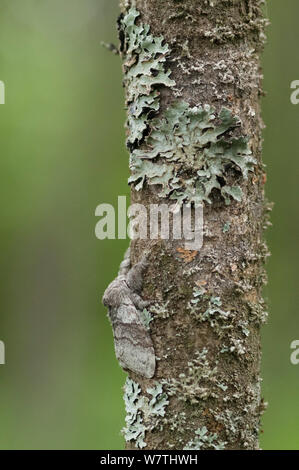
(204, 440)
(158, 403)
(135, 428)
(226, 227)
(176, 422)
(146, 318)
(144, 68)
(243, 324)
(235, 346)
(143, 414)
(223, 33)
(257, 312)
(232, 423)
(160, 310)
(227, 324)
(222, 386)
(188, 152)
(197, 383)
(212, 313)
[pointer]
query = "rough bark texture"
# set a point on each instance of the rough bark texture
(207, 306)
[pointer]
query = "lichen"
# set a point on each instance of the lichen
(235, 346)
(176, 422)
(197, 383)
(228, 28)
(158, 403)
(204, 440)
(143, 413)
(226, 227)
(146, 318)
(188, 152)
(144, 68)
(135, 428)
(213, 313)
(228, 325)
(160, 310)
(231, 422)
(239, 70)
(224, 33)
(257, 312)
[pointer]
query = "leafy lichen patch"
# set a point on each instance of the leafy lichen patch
(143, 413)
(213, 313)
(144, 68)
(197, 383)
(146, 318)
(204, 440)
(187, 153)
(230, 326)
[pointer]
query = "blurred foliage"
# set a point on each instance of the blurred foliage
(62, 154)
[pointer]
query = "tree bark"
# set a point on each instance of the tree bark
(206, 306)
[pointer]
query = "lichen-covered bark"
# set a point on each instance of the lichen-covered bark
(206, 306)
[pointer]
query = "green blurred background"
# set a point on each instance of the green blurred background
(62, 154)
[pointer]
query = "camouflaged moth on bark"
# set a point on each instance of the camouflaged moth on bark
(133, 344)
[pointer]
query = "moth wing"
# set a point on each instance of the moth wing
(133, 345)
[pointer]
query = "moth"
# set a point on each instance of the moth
(133, 345)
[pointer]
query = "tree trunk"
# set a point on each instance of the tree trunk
(193, 82)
